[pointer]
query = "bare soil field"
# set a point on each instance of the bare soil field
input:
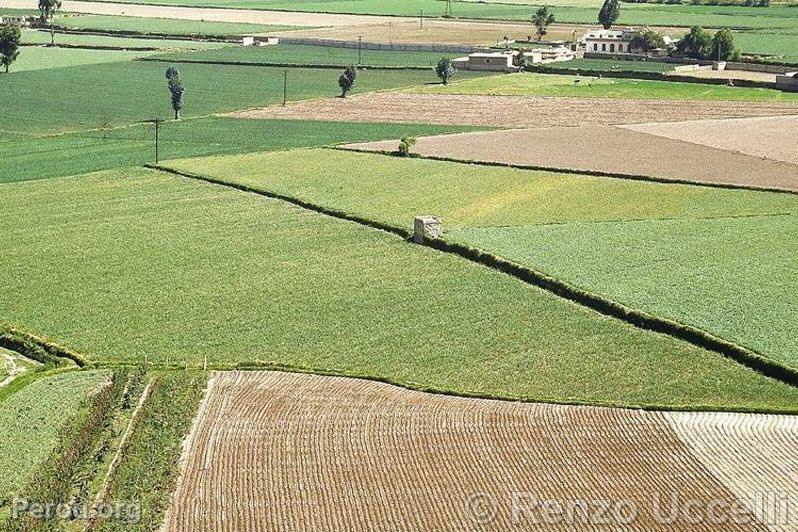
(511, 111)
(281, 451)
(726, 74)
(771, 138)
(439, 32)
(606, 149)
(253, 16)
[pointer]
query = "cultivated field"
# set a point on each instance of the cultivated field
(673, 250)
(301, 452)
(503, 111)
(605, 149)
(767, 138)
(171, 26)
(295, 288)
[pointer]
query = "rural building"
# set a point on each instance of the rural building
(259, 40)
(505, 61)
(16, 19)
(608, 41)
(787, 82)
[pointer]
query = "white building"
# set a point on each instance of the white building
(259, 40)
(505, 61)
(608, 41)
(16, 19)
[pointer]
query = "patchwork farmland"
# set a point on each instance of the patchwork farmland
(378, 265)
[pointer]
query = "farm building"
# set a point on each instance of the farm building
(506, 61)
(259, 40)
(608, 41)
(16, 19)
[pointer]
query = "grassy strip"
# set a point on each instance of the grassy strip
(277, 64)
(54, 480)
(571, 171)
(148, 467)
(37, 348)
(602, 305)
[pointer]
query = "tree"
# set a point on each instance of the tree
(723, 48)
(347, 80)
(542, 18)
(521, 60)
(445, 70)
(697, 44)
(405, 145)
(9, 44)
(47, 9)
(646, 40)
(176, 89)
(609, 13)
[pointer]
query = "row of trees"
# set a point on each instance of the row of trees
(543, 17)
(700, 44)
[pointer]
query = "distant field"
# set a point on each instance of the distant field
(784, 46)
(717, 259)
(310, 55)
(31, 418)
(78, 153)
(41, 58)
(206, 270)
(161, 25)
(125, 92)
(72, 39)
(589, 87)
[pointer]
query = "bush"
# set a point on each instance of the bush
(405, 145)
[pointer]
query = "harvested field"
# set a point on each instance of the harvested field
(607, 149)
(404, 31)
(761, 137)
(278, 451)
(512, 111)
(726, 74)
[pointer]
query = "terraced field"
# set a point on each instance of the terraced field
(717, 259)
(331, 453)
(295, 288)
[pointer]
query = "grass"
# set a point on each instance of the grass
(125, 92)
(310, 55)
(31, 419)
(9, 360)
(588, 87)
(167, 26)
(713, 258)
(614, 65)
(83, 152)
(206, 270)
(148, 468)
(43, 58)
(71, 39)
(781, 46)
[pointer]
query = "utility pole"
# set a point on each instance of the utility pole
(285, 87)
(360, 50)
(157, 123)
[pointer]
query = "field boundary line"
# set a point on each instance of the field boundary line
(36, 347)
(600, 304)
(572, 171)
(318, 66)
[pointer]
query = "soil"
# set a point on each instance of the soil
(282, 451)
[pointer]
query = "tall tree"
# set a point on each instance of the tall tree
(347, 80)
(47, 9)
(697, 44)
(609, 13)
(176, 90)
(445, 70)
(723, 48)
(9, 45)
(542, 18)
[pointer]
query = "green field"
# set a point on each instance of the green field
(31, 419)
(781, 46)
(205, 270)
(104, 95)
(161, 25)
(309, 55)
(527, 84)
(672, 250)
(103, 41)
(79, 153)
(43, 58)
(613, 65)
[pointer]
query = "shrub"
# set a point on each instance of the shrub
(405, 145)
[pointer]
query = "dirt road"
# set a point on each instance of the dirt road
(279, 451)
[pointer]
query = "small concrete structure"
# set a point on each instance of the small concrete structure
(549, 55)
(608, 41)
(426, 228)
(488, 61)
(259, 40)
(22, 21)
